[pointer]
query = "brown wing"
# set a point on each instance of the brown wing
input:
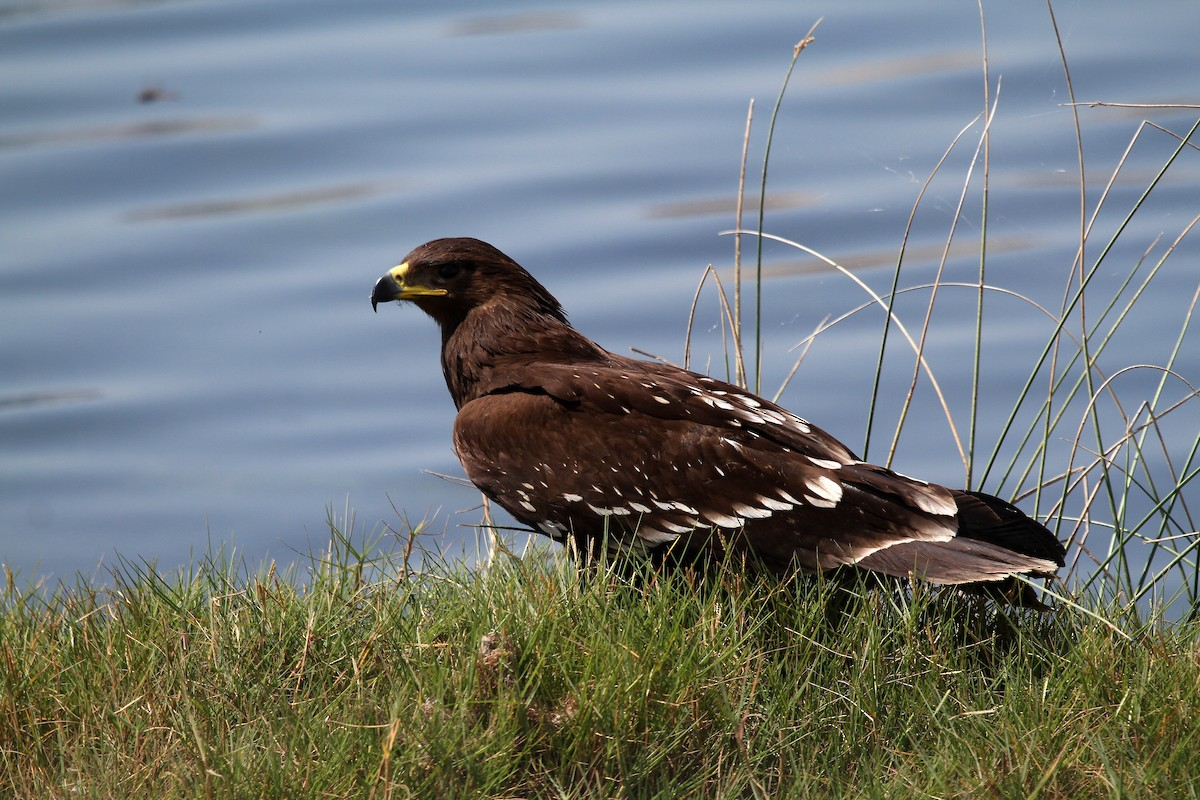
(651, 455)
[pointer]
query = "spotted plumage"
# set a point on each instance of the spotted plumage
(580, 443)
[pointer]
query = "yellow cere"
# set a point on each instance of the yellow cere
(408, 290)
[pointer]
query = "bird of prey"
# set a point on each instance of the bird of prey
(640, 459)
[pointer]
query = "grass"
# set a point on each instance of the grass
(364, 679)
(1106, 450)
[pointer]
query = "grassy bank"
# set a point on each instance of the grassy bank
(526, 681)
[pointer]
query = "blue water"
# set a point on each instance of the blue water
(187, 353)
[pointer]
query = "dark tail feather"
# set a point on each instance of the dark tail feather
(994, 542)
(990, 519)
(985, 518)
(957, 561)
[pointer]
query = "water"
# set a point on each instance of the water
(187, 354)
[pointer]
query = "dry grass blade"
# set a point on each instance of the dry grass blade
(937, 281)
(727, 315)
(878, 301)
(895, 290)
(1042, 438)
(762, 204)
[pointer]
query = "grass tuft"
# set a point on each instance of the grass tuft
(1106, 449)
(524, 680)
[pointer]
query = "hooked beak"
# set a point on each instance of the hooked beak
(395, 285)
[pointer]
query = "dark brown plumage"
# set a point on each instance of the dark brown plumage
(583, 444)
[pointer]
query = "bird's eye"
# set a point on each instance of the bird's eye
(448, 271)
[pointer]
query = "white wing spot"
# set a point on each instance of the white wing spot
(572, 498)
(825, 487)
(724, 520)
(820, 502)
(662, 400)
(787, 497)
(773, 504)
(825, 463)
(528, 506)
(934, 504)
(641, 509)
(750, 512)
(655, 536)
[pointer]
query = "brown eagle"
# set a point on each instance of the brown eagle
(650, 459)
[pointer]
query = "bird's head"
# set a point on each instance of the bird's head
(448, 278)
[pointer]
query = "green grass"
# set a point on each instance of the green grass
(528, 681)
(1103, 449)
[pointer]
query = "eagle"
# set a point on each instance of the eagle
(641, 460)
